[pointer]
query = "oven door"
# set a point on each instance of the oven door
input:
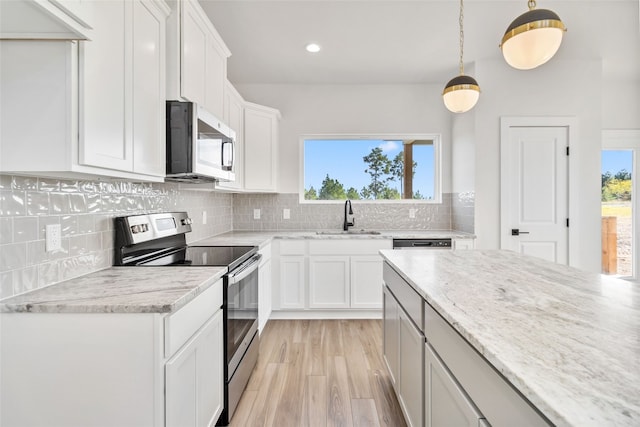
(241, 310)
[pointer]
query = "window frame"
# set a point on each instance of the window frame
(437, 156)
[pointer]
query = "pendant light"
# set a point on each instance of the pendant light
(532, 38)
(462, 92)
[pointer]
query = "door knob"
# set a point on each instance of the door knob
(517, 232)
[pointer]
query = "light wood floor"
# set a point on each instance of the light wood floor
(320, 373)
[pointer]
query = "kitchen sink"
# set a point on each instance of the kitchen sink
(342, 232)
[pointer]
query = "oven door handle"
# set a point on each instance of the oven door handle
(245, 269)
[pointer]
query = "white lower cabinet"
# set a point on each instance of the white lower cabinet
(264, 291)
(446, 404)
(329, 274)
(194, 379)
(329, 282)
(366, 280)
(292, 282)
(114, 369)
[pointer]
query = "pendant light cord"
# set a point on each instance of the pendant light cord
(461, 37)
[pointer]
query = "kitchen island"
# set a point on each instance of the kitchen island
(567, 341)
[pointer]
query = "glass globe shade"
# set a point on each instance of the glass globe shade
(461, 94)
(532, 48)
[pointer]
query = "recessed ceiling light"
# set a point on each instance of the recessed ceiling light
(313, 48)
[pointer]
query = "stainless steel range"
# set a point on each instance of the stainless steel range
(159, 240)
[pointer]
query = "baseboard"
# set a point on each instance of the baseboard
(326, 314)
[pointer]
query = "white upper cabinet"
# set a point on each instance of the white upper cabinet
(197, 65)
(255, 159)
(260, 147)
(90, 108)
(234, 117)
(45, 19)
(123, 122)
(149, 89)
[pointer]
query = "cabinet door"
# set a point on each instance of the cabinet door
(411, 367)
(328, 282)
(391, 338)
(193, 55)
(105, 104)
(234, 117)
(260, 136)
(446, 403)
(264, 304)
(216, 63)
(292, 282)
(194, 379)
(366, 281)
(148, 89)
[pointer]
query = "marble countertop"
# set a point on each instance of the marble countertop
(262, 238)
(119, 290)
(568, 340)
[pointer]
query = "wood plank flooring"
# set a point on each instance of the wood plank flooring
(320, 373)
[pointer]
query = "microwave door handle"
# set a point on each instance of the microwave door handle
(222, 159)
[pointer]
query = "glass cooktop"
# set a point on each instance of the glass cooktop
(212, 256)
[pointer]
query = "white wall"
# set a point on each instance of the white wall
(558, 88)
(350, 109)
(621, 105)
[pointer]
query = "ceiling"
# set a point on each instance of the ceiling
(403, 42)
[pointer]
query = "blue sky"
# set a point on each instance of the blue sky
(342, 160)
(615, 160)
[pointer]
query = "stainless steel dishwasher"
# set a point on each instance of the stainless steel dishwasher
(422, 244)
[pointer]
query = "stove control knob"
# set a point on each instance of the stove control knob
(187, 221)
(139, 228)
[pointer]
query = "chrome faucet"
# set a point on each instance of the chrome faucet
(347, 212)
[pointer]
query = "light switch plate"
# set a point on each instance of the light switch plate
(53, 237)
(412, 213)
(286, 213)
(204, 217)
(256, 214)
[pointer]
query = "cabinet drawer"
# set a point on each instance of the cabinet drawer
(494, 396)
(347, 247)
(410, 300)
(181, 325)
(293, 247)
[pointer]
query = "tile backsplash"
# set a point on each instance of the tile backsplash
(325, 216)
(85, 211)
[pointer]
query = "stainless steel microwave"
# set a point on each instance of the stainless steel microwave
(200, 148)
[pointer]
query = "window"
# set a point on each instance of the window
(371, 169)
(617, 212)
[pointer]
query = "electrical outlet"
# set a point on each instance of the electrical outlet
(53, 238)
(412, 213)
(204, 217)
(286, 213)
(256, 214)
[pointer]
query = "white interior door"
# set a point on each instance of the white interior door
(534, 196)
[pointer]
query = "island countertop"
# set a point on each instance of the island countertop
(568, 340)
(119, 290)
